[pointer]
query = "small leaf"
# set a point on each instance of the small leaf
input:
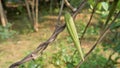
(118, 6)
(58, 62)
(105, 5)
(115, 25)
(99, 6)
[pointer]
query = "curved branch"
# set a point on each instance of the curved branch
(40, 48)
(43, 45)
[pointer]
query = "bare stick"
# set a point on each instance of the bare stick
(60, 13)
(93, 11)
(70, 6)
(28, 10)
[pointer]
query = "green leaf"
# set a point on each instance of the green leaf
(105, 5)
(115, 25)
(58, 62)
(91, 2)
(99, 6)
(118, 6)
(112, 10)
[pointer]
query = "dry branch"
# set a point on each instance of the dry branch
(45, 44)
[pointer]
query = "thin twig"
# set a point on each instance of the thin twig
(99, 39)
(93, 11)
(109, 59)
(79, 8)
(60, 13)
(70, 6)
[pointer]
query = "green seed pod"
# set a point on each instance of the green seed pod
(73, 32)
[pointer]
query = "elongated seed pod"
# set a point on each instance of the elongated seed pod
(73, 32)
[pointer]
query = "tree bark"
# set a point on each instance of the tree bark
(33, 13)
(36, 16)
(2, 15)
(35, 24)
(51, 6)
(28, 10)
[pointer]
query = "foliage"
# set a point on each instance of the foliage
(106, 13)
(92, 30)
(6, 32)
(75, 3)
(111, 42)
(63, 58)
(39, 63)
(95, 61)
